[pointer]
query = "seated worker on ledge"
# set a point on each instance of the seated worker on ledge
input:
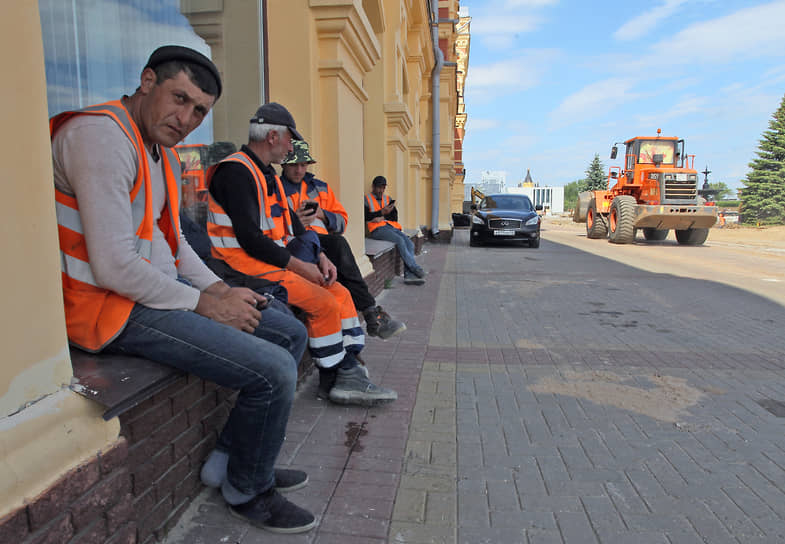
(329, 220)
(133, 285)
(381, 219)
(250, 225)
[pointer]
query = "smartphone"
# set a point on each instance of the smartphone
(262, 304)
(392, 201)
(310, 206)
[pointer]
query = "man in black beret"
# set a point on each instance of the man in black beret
(133, 285)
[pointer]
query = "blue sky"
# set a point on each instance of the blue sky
(552, 82)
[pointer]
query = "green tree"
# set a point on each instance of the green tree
(763, 197)
(723, 191)
(571, 194)
(595, 176)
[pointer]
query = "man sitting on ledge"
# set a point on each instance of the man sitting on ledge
(381, 219)
(252, 230)
(133, 285)
(319, 210)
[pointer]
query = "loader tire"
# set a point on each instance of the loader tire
(621, 229)
(692, 237)
(654, 235)
(596, 223)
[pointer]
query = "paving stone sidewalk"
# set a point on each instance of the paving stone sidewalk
(539, 402)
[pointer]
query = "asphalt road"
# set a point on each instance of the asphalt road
(758, 267)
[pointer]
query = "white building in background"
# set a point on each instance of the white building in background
(492, 181)
(551, 198)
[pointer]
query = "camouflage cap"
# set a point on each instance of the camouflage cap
(299, 154)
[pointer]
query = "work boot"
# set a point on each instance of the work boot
(379, 323)
(353, 387)
(326, 382)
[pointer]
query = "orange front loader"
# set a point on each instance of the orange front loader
(655, 190)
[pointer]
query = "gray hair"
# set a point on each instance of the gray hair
(258, 132)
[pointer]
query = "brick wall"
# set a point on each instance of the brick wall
(134, 493)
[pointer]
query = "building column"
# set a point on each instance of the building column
(348, 50)
(45, 428)
(234, 31)
(399, 122)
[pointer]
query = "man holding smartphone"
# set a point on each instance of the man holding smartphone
(381, 218)
(314, 202)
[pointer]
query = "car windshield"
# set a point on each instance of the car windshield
(506, 202)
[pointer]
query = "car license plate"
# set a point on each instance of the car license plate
(504, 232)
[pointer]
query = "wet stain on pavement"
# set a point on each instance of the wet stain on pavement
(354, 431)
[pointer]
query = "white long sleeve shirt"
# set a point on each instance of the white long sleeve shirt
(94, 160)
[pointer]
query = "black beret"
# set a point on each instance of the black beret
(379, 181)
(167, 53)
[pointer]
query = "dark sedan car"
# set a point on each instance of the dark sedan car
(505, 217)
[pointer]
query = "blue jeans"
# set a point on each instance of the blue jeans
(264, 373)
(279, 326)
(402, 242)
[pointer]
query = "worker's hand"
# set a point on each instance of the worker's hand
(309, 271)
(388, 208)
(379, 219)
(329, 272)
(307, 216)
(235, 307)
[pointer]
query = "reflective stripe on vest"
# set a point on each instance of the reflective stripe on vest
(221, 231)
(315, 193)
(94, 315)
(374, 206)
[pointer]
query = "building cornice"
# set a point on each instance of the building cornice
(344, 23)
(398, 116)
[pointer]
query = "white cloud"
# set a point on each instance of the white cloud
(748, 33)
(530, 3)
(509, 75)
(594, 100)
(685, 106)
(647, 20)
(504, 24)
(478, 125)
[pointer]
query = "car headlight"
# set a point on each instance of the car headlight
(477, 220)
(533, 221)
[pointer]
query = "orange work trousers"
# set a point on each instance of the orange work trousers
(330, 317)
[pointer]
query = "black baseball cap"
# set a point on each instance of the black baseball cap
(274, 113)
(167, 53)
(379, 180)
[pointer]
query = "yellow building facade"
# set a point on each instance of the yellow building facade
(357, 76)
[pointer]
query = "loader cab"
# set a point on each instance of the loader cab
(650, 151)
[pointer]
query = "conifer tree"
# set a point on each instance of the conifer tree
(763, 198)
(595, 176)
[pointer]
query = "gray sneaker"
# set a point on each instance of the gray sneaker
(352, 386)
(410, 278)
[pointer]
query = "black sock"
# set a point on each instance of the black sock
(348, 362)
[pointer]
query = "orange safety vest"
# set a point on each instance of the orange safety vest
(374, 206)
(94, 316)
(321, 193)
(221, 231)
